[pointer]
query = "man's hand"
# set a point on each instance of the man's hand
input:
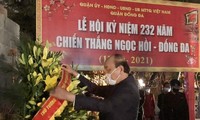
(69, 69)
(62, 94)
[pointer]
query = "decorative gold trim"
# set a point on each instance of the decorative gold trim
(142, 69)
(164, 2)
(199, 35)
(39, 19)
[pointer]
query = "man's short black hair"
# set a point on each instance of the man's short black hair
(175, 82)
(120, 60)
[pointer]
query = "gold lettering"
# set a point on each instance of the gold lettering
(44, 111)
(51, 103)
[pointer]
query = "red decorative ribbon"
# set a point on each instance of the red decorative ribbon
(52, 104)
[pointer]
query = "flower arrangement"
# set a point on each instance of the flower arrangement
(40, 70)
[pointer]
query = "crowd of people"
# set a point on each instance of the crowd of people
(121, 99)
(172, 104)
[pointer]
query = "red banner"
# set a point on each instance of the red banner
(52, 105)
(152, 36)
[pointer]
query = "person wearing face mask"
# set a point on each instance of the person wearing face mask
(161, 98)
(176, 103)
(109, 79)
(149, 105)
(120, 98)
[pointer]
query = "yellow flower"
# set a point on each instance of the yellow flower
(47, 62)
(55, 71)
(39, 78)
(42, 102)
(44, 99)
(50, 82)
(30, 61)
(39, 104)
(34, 74)
(73, 85)
(45, 53)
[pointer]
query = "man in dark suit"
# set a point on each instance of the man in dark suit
(176, 103)
(121, 96)
(161, 99)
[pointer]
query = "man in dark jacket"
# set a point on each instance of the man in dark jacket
(121, 96)
(176, 103)
(161, 99)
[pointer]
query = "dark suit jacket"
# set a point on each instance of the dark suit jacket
(120, 101)
(162, 106)
(176, 106)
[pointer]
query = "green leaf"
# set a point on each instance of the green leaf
(33, 107)
(35, 65)
(83, 88)
(48, 45)
(28, 77)
(34, 51)
(74, 91)
(39, 51)
(41, 69)
(32, 102)
(21, 61)
(28, 106)
(27, 116)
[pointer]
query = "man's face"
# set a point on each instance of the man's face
(109, 67)
(167, 86)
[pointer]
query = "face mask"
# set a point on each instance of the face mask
(147, 90)
(175, 90)
(109, 80)
(167, 89)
